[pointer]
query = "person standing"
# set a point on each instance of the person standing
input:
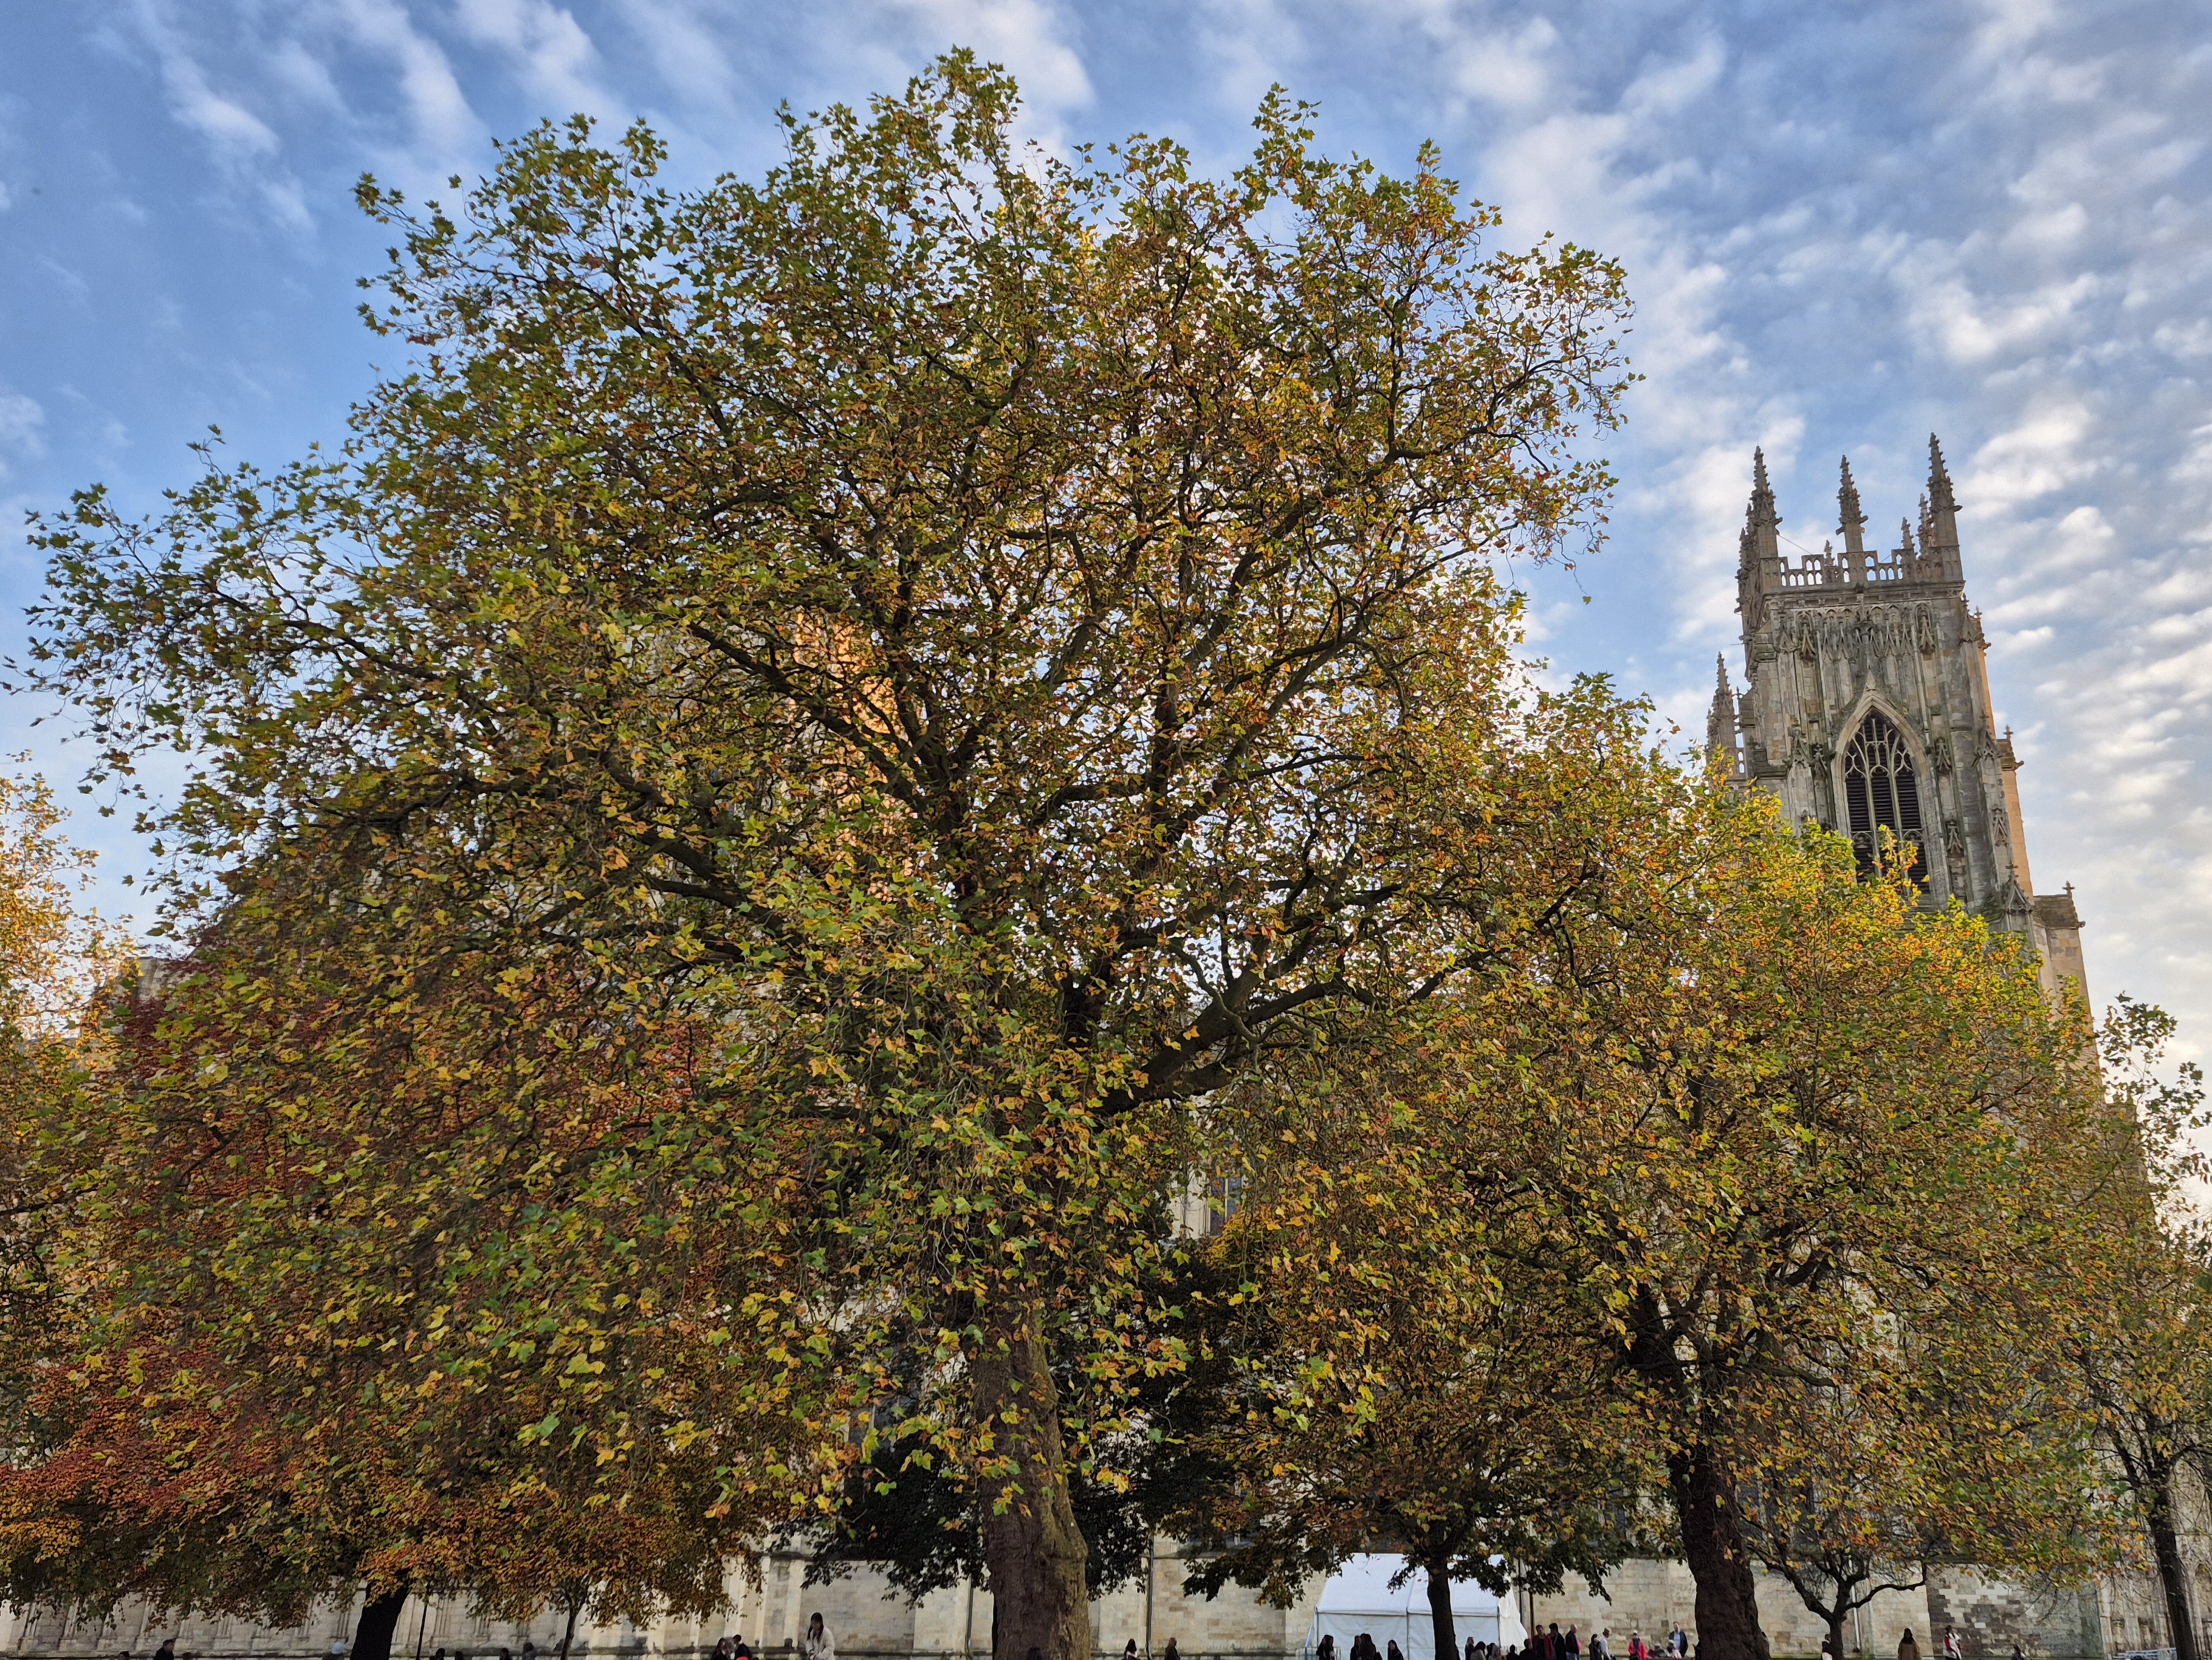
(1906, 1648)
(1574, 1643)
(1951, 1649)
(817, 1644)
(1171, 1653)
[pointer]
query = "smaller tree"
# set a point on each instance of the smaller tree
(2144, 1347)
(1438, 1398)
(1761, 1107)
(1421, 1359)
(1964, 1455)
(201, 1446)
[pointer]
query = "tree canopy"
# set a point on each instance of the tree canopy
(834, 752)
(806, 729)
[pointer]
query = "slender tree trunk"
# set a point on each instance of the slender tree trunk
(1039, 1563)
(1713, 1545)
(569, 1632)
(1440, 1613)
(379, 1618)
(2172, 1574)
(1836, 1632)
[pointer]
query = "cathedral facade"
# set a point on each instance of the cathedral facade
(1868, 710)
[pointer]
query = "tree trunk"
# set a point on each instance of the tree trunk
(1836, 1631)
(2172, 1575)
(1038, 1561)
(569, 1632)
(1713, 1546)
(379, 1618)
(1440, 1613)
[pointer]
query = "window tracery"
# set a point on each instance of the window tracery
(1880, 789)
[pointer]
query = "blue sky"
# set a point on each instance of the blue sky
(1845, 226)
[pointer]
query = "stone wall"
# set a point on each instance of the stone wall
(2119, 1614)
(769, 1608)
(1992, 1613)
(1655, 1596)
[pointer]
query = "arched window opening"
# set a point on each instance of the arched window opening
(1879, 790)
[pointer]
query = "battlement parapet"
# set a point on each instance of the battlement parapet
(1828, 569)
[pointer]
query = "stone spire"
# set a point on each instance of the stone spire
(1721, 754)
(1852, 523)
(1940, 531)
(1905, 544)
(1761, 523)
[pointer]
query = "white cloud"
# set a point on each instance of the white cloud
(232, 129)
(23, 422)
(544, 42)
(686, 51)
(1511, 69)
(442, 130)
(2043, 452)
(1029, 37)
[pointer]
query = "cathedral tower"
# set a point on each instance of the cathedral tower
(1869, 706)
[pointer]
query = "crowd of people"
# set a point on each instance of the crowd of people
(816, 1645)
(1550, 1642)
(1546, 1643)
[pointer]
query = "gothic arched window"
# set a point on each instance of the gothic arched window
(1879, 789)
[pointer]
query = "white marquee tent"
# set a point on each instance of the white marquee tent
(1358, 1597)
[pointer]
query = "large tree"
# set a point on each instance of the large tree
(951, 655)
